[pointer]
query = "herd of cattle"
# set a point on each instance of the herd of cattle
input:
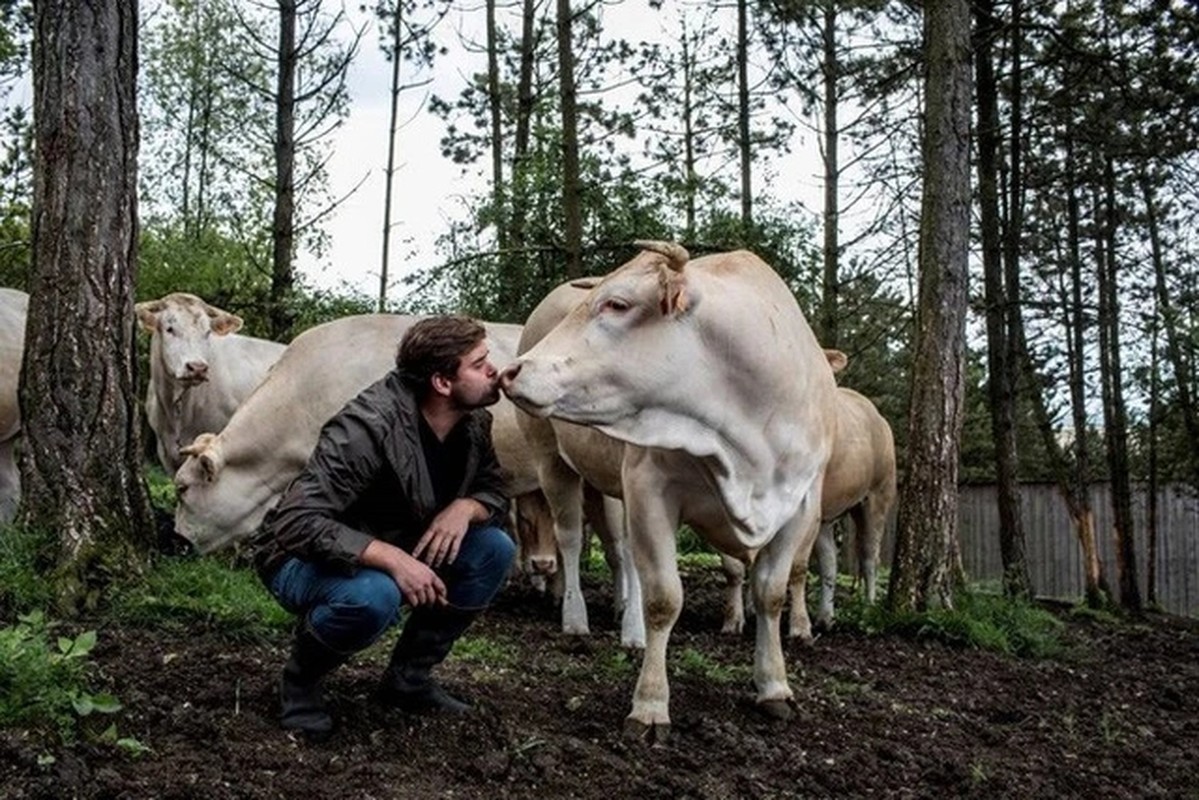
(670, 391)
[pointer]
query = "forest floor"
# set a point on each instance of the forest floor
(1115, 714)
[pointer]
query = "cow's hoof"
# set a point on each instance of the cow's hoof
(656, 733)
(777, 709)
(823, 625)
(732, 629)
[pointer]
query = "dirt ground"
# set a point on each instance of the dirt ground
(1117, 715)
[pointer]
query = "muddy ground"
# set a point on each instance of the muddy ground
(1115, 715)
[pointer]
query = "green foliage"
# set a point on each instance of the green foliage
(486, 651)
(162, 488)
(43, 682)
(979, 621)
(692, 663)
(25, 556)
(185, 592)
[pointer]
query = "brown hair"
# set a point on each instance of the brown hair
(434, 346)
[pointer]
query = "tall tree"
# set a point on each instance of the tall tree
(307, 99)
(1002, 302)
(80, 464)
(923, 572)
(571, 180)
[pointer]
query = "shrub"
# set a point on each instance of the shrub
(23, 555)
(43, 684)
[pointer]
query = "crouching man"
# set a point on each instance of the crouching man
(399, 504)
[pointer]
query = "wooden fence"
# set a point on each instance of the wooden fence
(1054, 557)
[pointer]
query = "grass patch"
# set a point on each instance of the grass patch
(161, 487)
(692, 663)
(184, 592)
(24, 556)
(487, 651)
(981, 621)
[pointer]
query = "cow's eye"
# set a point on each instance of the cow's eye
(615, 305)
(171, 329)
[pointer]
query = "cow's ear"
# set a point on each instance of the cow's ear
(224, 323)
(147, 314)
(836, 359)
(674, 299)
(586, 283)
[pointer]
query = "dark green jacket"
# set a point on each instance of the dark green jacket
(367, 479)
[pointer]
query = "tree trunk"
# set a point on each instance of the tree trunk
(923, 571)
(281, 315)
(524, 119)
(81, 455)
(1001, 309)
(1168, 315)
(389, 173)
(1115, 415)
(747, 203)
(571, 181)
(497, 132)
(831, 284)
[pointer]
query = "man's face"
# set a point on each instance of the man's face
(477, 382)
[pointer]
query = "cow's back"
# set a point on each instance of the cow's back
(863, 456)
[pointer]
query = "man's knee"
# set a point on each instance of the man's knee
(497, 549)
(366, 607)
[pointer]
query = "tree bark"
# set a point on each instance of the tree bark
(1115, 415)
(571, 180)
(831, 283)
(81, 456)
(283, 230)
(923, 571)
(498, 191)
(746, 153)
(1002, 308)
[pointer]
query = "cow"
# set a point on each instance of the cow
(14, 308)
(561, 451)
(859, 481)
(710, 375)
(201, 369)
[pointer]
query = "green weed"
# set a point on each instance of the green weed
(43, 680)
(692, 662)
(23, 557)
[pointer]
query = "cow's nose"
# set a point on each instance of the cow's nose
(509, 374)
(543, 565)
(197, 370)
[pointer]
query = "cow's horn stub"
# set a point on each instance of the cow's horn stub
(676, 255)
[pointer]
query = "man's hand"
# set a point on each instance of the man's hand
(419, 584)
(442, 540)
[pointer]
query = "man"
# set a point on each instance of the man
(399, 504)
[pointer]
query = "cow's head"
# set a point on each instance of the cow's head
(628, 341)
(535, 536)
(218, 502)
(182, 326)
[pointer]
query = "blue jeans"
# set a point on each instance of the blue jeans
(348, 613)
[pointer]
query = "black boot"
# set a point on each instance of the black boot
(302, 707)
(426, 640)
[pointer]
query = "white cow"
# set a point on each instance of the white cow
(14, 308)
(860, 482)
(563, 453)
(230, 479)
(710, 374)
(200, 369)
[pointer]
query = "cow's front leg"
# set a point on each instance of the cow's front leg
(771, 572)
(651, 530)
(563, 490)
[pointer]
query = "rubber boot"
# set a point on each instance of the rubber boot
(302, 706)
(426, 640)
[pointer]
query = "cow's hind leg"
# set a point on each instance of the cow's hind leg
(826, 560)
(734, 594)
(606, 515)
